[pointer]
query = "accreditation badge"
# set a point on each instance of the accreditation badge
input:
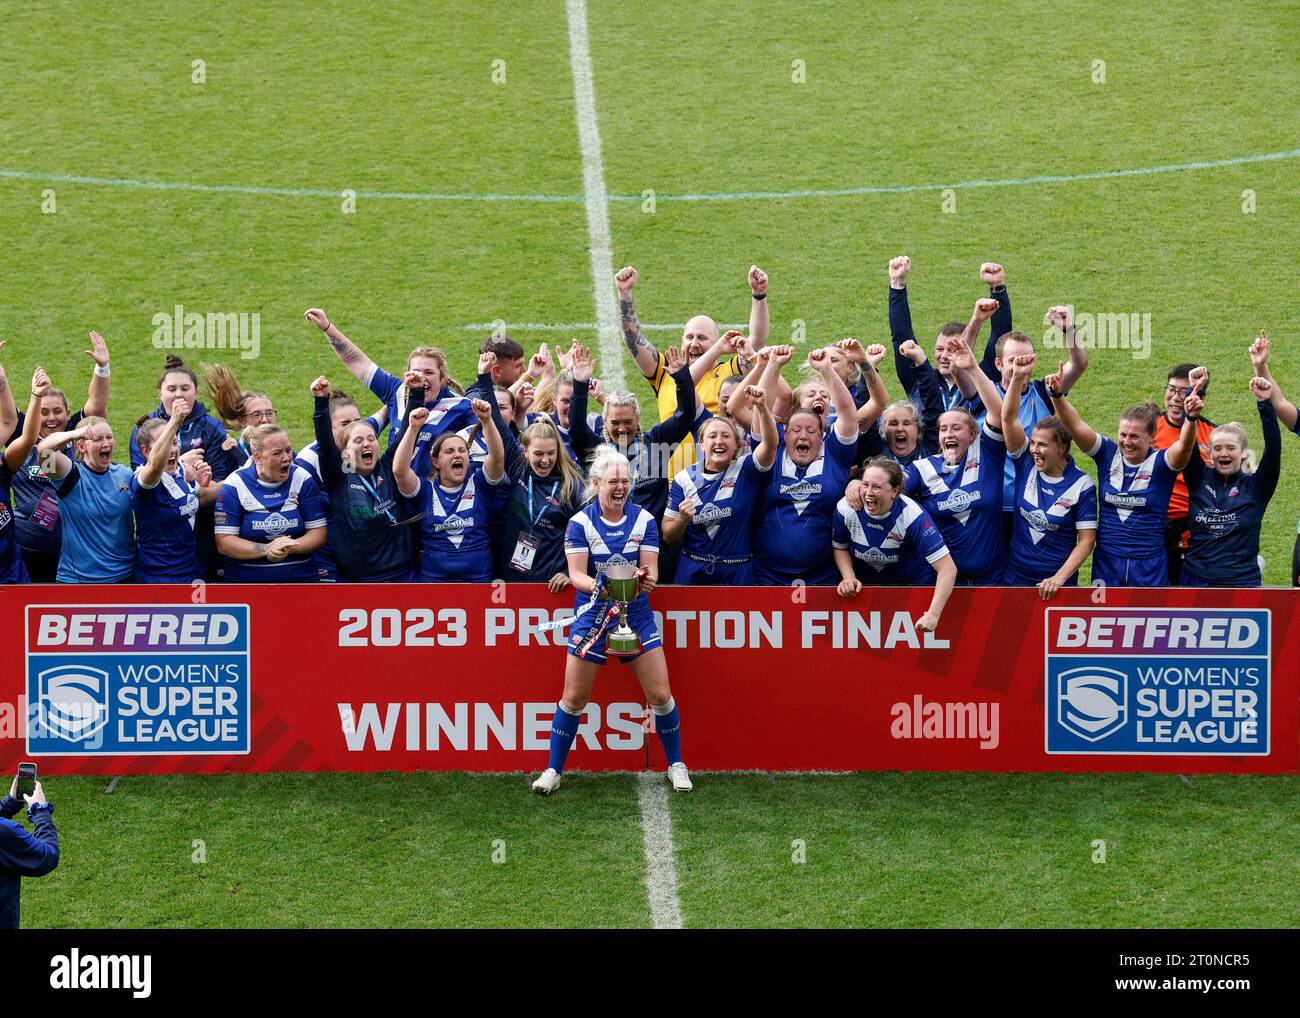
(525, 551)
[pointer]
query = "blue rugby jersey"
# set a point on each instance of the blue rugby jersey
(965, 500)
(793, 537)
(609, 543)
(1050, 511)
(456, 528)
(898, 548)
(249, 508)
(98, 531)
(448, 412)
(199, 431)
(722, 528)
(166, 550)
(1225, 514)
(1133, 501)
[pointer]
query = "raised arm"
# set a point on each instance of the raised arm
(871, 410)
(1286, 410)
(995, 277)
(97, 396)
(152, 471)
(580, 433)
(1012, 430)
(8, 411)
(846, 411)
(900, 320)
(348, 353)
(1270, 464)
(1082, 434)
(494, 466)
(54, 464)
(769, 444)
(927, 391)
(1077, 362)
(760, 324)
(17, 450)
(329, 455)
(408, 482)
(706, 361)
(1178, 455)
(678, 426)
(966, 371)
(645, 355)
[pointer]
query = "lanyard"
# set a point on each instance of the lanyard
(369, 485)
(534, 520)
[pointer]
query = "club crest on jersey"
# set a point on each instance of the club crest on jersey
(802, 490)
(1217, 521)
(875, 558)
(274, 525)
(959, 500)
(454, 525)
(712, 514)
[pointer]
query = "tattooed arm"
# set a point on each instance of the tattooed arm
(645, 355)
(353, 359)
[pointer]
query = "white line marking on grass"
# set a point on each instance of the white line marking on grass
(833, 192)
(661, 871)
(597, 202)
(581, 326)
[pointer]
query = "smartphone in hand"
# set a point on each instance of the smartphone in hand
(26, 780)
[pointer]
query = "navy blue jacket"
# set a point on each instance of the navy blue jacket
(23, 854)
(550, 513)
(1225, 514)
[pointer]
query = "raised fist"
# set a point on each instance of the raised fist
(898, 269)
(782, 355)
(40, 382)
(876, 353)
(625, 279)
(993, 274)
(180, 410)
(320, 387)
(486, 361)
(757, 280)
(1059, 316)
(911, 349)
(819, 359)
(1262, 388)
(418, 416)
(756, 396)
(1200, 378)
(852, 350)
(984, 308)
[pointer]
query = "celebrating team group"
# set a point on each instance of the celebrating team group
(534, 473)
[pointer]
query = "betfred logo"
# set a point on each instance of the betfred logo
(1157, 681)
(137, 679)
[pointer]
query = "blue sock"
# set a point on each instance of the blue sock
(668, 726)
(564, 729)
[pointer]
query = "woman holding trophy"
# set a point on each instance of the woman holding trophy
(612, 547)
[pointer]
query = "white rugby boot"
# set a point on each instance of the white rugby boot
(678, 776)
(547, 783)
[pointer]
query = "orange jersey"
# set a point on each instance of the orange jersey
(1167, 435)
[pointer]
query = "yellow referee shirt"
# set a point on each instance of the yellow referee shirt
(708, 393)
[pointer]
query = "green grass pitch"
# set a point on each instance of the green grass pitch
(299, 102)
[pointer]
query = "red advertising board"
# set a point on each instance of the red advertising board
(121, 680)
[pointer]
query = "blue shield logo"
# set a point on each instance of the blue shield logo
(1092, 702)
(73, 701)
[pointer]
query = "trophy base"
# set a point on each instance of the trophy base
(620, 645)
